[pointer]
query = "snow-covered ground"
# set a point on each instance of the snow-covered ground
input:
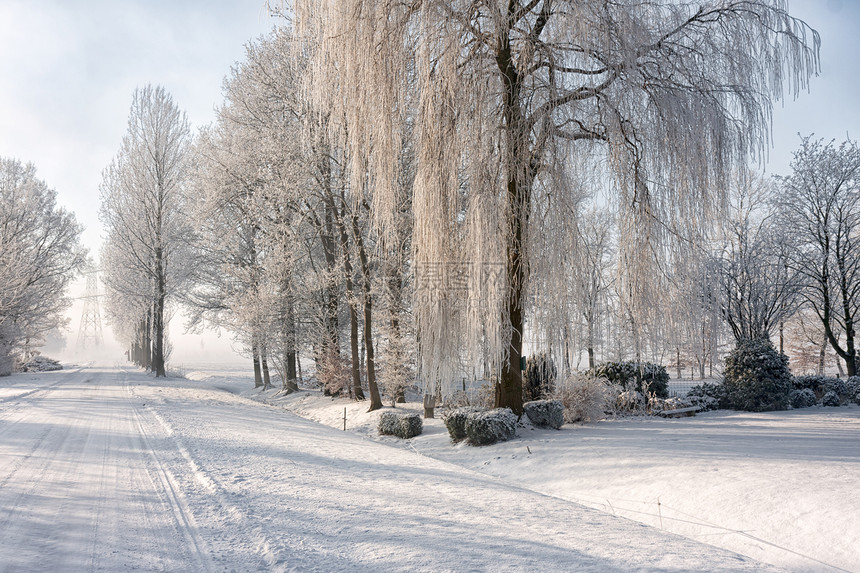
(108, 469)
(780, 487)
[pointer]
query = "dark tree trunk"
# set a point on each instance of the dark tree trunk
(258, 376)
(331, 289)
(147, 341)
(509, 389)
(357, 391)
(822, 352)
(288, 336)
(158, 327)
(372, 388)
(264, 366)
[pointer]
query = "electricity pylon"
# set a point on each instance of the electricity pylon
(90, 331)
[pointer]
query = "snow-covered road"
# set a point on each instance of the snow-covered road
(107, 469)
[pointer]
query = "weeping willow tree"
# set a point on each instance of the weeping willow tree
(515, 100)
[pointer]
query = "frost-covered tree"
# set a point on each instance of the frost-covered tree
(759, 289)
(512, 98)
(144, 211)
(820, 203)
(39, 254)
(281, 230)
(250, 179)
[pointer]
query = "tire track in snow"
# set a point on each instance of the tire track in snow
(263, 544)
(163, 477)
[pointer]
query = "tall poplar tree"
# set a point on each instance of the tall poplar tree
(142, 208)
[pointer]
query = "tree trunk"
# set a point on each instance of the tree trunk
(331, 292)
(158, 327)
(288, 343)
(509, 389)
(781, 337)
(372, 388)
(147, 341)
(396, 341)
(258, 377)
(821, 354)
(375, 398)
(521, 170)
(358, 393)
(264, 366)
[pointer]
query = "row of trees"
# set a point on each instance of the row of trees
(40, 253)
(401, 189)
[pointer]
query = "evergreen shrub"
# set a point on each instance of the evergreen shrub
(830, 399)
(545, 413)
(455, 421)
(708, 396)
(539, 378)
(402, 425)
(632, 375)
(490, 426)
(757, 377)
(804, 398)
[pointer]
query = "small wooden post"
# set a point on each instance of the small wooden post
(344, 418)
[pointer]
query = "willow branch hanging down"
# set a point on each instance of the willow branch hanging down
(667, 95)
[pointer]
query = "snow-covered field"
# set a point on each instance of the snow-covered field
(105, 468)
(780, 487)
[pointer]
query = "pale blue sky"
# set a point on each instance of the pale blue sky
(69, 68)
(831, 109)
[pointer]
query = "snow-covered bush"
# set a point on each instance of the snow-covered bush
(705, 403)
(852, 387)
(490, 426)
(804, 398)
(635, 375)
(545, 413)
(539, 377)
(402, 425)
(830, 399)
(836, 385)
(41, 364)
(455, 421)
(630, 401)
(585, 397)
(812, 381)
(757, 377)
(823, 384)
(708, 396)
(664, 404)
